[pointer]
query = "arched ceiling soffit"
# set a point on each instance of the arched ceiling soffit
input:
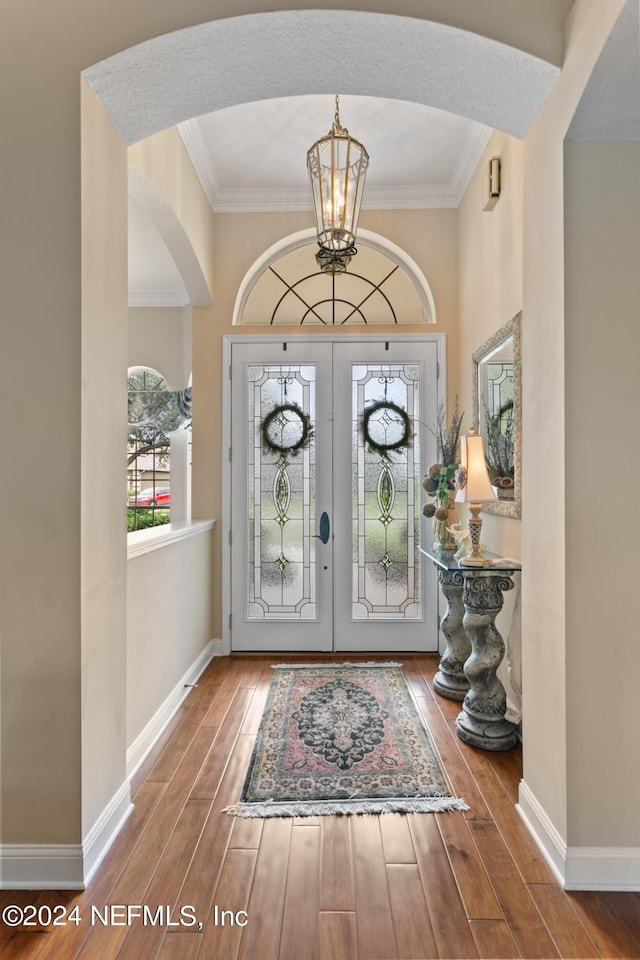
(173, 235)
(383, 286)
(223, 63)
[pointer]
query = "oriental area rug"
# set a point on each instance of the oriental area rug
(343, 738)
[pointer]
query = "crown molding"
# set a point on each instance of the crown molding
(196, 148)
(266, 200)
(405, 197)
(273, 200)
(475, 144)
(263, 200)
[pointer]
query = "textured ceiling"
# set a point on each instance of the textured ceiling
(421, 96)
(251, 155)
(220, 64)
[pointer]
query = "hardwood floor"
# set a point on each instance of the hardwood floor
(450, 885)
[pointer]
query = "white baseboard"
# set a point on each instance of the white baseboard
(579, 868)
(64, 866)
(41, 866)
(105, 830)
(147, 738)
(70, 866)
(551, 844)
(616, 869)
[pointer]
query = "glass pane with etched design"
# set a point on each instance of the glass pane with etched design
(385, 491)
(281, 492)
(499, 397)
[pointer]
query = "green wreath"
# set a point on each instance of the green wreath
(271, 444)
(401, 415)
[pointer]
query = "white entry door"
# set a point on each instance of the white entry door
(328, 452)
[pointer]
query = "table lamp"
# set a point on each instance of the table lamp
(473, 486)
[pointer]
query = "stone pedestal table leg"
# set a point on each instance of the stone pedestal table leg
(450, 680)
(481, 721)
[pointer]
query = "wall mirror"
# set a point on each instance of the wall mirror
(497, 399)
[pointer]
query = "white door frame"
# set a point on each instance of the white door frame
(227, 344)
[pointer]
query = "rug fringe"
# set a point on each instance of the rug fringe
(328, 808)
(330, 666)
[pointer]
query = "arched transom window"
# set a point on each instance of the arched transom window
(381, 286)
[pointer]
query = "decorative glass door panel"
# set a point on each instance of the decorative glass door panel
(281, 481)
(281, 511)
(388, 600)
(327, 440)
(385, 411)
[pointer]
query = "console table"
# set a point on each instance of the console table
(474, 648)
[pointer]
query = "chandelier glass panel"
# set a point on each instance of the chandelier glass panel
(337, 166)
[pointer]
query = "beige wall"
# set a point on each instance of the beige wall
(168, 623)
(490, 283)
(160, 337)
(188, 340)
(169, 589)
(166, 164)
(545, 429)
(40, 547)
(103, 442)
(602, 400)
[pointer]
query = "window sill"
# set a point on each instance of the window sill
(155, 538)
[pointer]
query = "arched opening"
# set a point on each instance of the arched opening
(392, 54)
(384, 285)
(162, 81)
(172, 233)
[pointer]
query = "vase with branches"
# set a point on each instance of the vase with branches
(500, 449)
(438, 482)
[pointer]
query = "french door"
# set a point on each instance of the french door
(328, 446)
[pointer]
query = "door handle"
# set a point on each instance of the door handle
(325, 528)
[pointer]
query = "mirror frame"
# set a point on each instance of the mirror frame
(505, 508)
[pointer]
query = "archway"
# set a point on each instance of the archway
(158, 83)
(150, 87)
(173, 234)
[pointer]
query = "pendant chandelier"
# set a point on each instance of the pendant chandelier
(337, 166)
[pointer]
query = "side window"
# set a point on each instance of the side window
(148, 458)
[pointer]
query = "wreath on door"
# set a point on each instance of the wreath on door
(392, 414)
(286, 429)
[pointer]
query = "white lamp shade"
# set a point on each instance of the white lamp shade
(478, 486)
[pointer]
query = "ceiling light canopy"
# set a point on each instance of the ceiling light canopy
(337, 166)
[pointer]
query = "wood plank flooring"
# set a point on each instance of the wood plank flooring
(453, 885)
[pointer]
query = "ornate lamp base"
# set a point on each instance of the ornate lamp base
(475, 557)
